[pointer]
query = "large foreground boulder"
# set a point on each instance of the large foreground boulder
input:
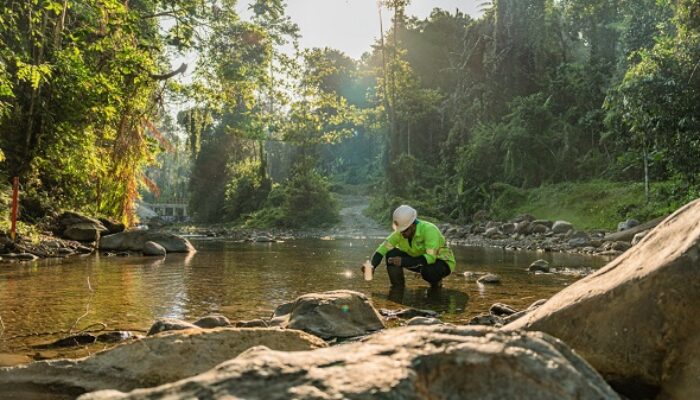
(335, 314)
(154, 360)
(134, 240)
(635, 320)
(418, 362)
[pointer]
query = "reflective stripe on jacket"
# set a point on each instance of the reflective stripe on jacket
(427, 242)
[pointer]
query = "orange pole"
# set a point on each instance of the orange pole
(15, 198)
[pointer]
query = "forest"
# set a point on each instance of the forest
(452, 113)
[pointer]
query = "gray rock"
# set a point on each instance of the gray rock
(492, 224)
(114, 337)
(262, 239)
(578, 242)
(341, 313)
(423, 321)
(169, 324)
(152, 360)
(153, 249)
(538, 228)
(212, 321)
(508, 228)
(254, 323)
(621, 246)
(283, 309)
(80, 339)
(70, 218)
(492, 233)
(25, 257)
(523, 228)
(634, 319)
(134, 240)
(84, 250)
(63, 251)
(544, 222)
(501, 310)
(414, 362)
(539, 266)
(629, 224)
(408, 313)
(486, 320)
(489, 279)
(53, 244)
(112, 227)
(562, 227)
(84, 232)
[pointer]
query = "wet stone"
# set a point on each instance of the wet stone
(170, 324)
(489, 279)
(71, 341)
(255, 323)
(539, 266)
(212, 321)
(114, 337)
(501, 310)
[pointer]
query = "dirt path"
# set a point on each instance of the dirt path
(353, 221)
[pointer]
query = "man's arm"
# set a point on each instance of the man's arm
(387, 245)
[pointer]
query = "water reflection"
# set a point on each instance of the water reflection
(443, 300)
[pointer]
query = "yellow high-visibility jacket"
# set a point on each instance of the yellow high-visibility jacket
(427, 242)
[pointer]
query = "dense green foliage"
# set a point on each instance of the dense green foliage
(538, 92)
(80, 84)
(450, 113)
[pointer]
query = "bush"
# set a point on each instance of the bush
(246, 191)
(302, 201)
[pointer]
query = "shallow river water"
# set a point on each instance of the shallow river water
(42, 301)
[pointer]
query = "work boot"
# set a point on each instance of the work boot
(436, 285)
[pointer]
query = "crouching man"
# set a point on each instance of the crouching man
(417, 246)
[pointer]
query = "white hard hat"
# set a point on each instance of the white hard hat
(404, 216)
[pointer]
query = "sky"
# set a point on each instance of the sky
(352, 25)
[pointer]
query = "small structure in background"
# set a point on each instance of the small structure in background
(166, 212)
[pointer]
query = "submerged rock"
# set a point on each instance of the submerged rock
(114, 337)
(336, 314)
(153, 360)
(417, 362)
(70, 341)
(489, 279)
(634, 320)
(539, 266)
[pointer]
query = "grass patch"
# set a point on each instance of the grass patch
(587, 205)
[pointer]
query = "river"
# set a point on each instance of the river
(42, 301)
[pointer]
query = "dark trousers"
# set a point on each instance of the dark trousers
(431, 273)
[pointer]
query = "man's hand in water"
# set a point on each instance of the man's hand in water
(395, 261)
